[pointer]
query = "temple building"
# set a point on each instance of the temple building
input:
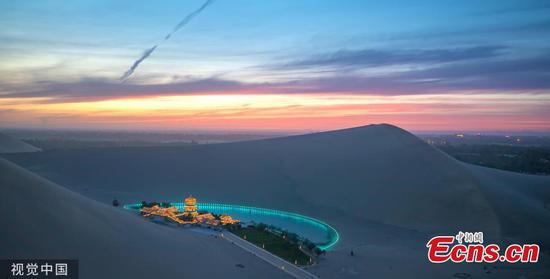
(227, 220)
(190, 206)
(208, 219)
(189, 215)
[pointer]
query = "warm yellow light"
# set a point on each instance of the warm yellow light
(255, 110)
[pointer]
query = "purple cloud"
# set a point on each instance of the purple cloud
(531, 73)
(376, 57)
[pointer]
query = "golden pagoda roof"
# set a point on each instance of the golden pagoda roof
(190, 200)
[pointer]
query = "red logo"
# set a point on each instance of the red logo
(441, 249)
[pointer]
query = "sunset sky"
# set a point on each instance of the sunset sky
(480, 66)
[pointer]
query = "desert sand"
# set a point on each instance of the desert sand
(386, 191)
(43, 220)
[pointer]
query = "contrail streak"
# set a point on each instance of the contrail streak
(145, 54)
(149, 51)
(188, 18)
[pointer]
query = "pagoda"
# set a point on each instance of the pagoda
(190, 206)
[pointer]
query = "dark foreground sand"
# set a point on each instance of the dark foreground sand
(42, 220)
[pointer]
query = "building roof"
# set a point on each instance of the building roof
(190, 200)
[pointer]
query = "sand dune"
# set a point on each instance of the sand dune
(42, 220)
(9, 144)
(380, 186)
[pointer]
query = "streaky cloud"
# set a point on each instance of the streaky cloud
(528, 74)
(150, 51)
(375, 57)
(134, 66)
(188, 18)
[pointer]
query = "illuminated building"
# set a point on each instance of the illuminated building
(190, 207)
(208, 219)
(226, 220)
(170, 213)
(189, 215)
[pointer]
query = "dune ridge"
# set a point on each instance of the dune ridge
(9, 144)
